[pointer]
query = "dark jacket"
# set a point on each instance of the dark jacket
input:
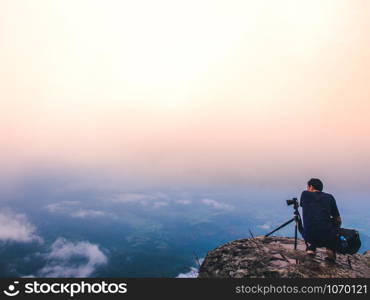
(319, 214)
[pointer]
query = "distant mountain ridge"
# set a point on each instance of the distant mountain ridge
(275, 257)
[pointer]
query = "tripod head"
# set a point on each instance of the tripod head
(293, 202)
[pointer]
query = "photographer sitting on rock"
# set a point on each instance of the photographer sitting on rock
(321, 219)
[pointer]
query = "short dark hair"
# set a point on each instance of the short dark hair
(316, 183)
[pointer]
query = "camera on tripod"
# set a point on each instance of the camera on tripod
(292, 201)
(296, 219)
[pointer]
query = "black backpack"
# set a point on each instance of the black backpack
(353, 241)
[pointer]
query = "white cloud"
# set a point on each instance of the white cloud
(184, 202)
(62, 254)
(159, 204)
(264, 226)
(133, 198)
(193, 272)
(217, 204)
(62, 206)
(85, 213)
(16, 228)
(156, 200)
(70, 208)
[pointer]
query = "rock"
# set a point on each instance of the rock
(275, 257)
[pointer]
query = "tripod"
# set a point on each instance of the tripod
(298, 222)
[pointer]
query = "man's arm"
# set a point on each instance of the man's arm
(301, 199)
(335, 213)
(338, 221)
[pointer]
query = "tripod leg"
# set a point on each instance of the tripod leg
(295, 235)
(295, 238)
(281, 226)
(349, 262)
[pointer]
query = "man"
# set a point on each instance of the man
(321, 219)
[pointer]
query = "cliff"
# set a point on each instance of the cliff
(275, 257)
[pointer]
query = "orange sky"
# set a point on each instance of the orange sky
(187, 90)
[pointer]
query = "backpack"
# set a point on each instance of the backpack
(353, 241)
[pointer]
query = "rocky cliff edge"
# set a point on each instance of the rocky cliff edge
(275, 257)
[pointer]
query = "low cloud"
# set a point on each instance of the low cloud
(71, 208)
(183, 202)
(86, 213)
(265, 226)
(193, 272)
(142, 199)
(73, 259)
(16, 228)
(159, 204)
(155, 200)
(62, 206)
(217, 204)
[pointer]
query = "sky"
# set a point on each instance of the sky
(186, 92)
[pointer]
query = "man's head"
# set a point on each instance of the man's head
(314, 184)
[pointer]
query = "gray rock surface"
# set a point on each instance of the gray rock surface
(275, 257)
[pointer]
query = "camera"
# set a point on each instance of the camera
(292, 201)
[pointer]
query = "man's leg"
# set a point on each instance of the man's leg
(330, 255)
(331, 249)
(311, 249)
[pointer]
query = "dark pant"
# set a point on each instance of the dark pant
(321, 238)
